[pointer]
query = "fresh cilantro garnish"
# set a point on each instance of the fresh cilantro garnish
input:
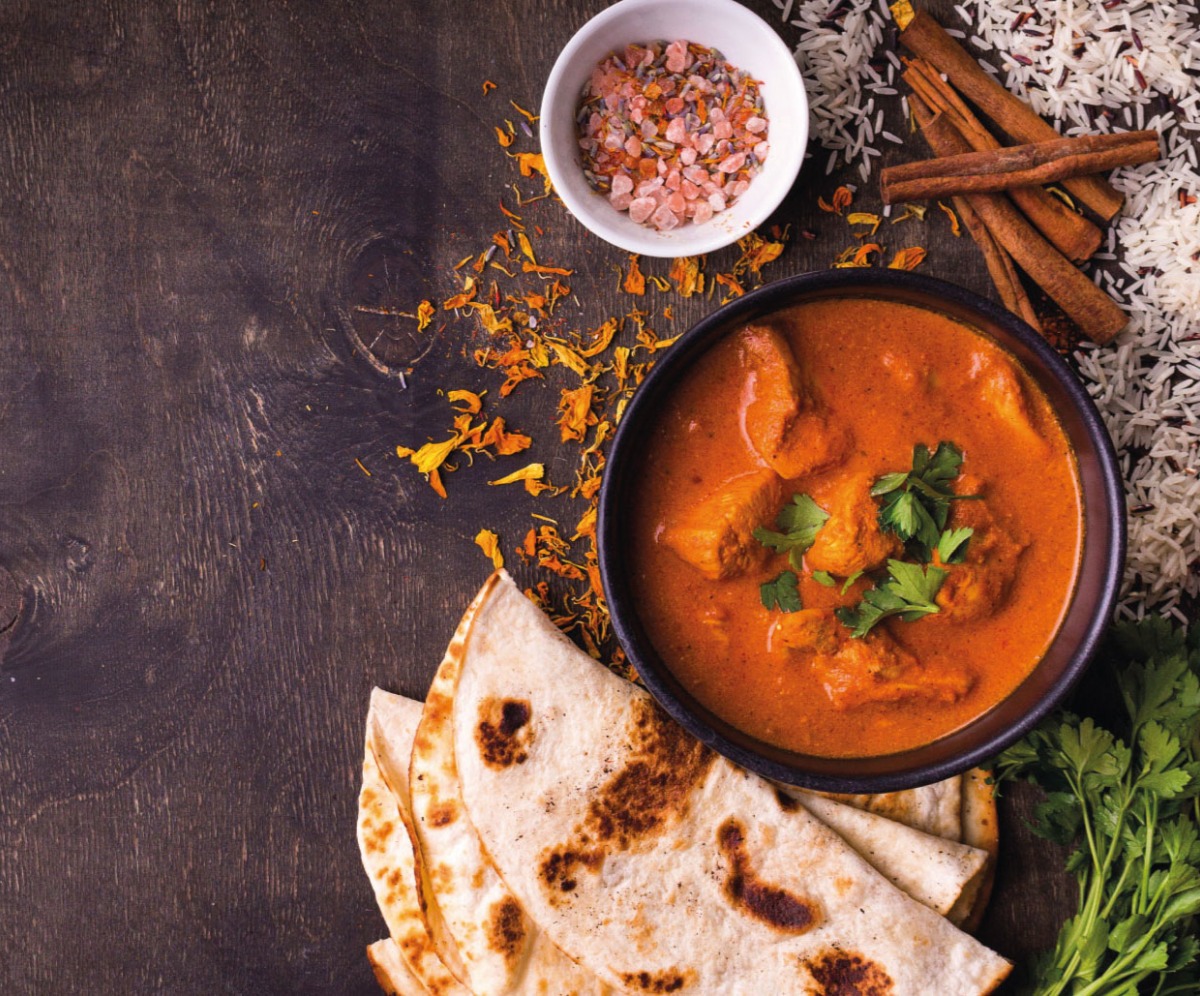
(1128, 801)
(908, 593)
(850, 581)
(783, 592)
(824, 578)
(916, 503)
(798, 522)
(952, 545)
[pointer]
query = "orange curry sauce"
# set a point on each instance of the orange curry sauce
(886, 376)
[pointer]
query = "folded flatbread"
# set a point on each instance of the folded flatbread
(658, 864)
(386, 845)
(934, 871)
(391, 971)
(501, 949)
(936, 808)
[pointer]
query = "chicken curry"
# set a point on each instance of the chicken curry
(850, 545)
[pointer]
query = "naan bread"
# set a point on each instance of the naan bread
(501, 950)
(385, 842)
(981, 829)
(658, 864)
(934, 871)
(936, 808)
(391, 972)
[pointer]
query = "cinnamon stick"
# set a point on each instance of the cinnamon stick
(926, 38)
(1000, 266)
(1097, 316)
(1075, 236)
(1016, 166)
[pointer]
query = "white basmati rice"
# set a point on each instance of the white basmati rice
(1083, 74)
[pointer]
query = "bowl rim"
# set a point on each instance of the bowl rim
(654, 243)
(772, 297)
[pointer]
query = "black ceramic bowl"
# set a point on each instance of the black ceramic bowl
(1091, 603)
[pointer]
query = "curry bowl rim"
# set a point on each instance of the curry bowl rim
(886, 772)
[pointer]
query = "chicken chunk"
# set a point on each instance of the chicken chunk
(1004, 392)
(715, 535)
(857, 671)
(780, 415)
(851, 540)
(978, 586)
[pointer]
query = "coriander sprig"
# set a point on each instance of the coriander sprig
(799, 521)
(1130, 802)
(908, 592)
(916, 503)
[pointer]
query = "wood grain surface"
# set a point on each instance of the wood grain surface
(203, 207)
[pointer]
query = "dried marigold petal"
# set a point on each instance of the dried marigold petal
(601, 338)
(910, 211)
(489, 543)
(472, 402)
(432, 455)
(529, 547)
(470, 289)
(504, 138)
(425, 313)
(685, 271)
(570, 359)
(586, 525)
(575, 413)
(533, 471)
(532, 162)
(516, 375)
(488, 85)
(729, 281)
(955, 228)
(503, 442)
(547, 270)
(864, 218)
(435, 482)
(532, 118)
(907, 259)
(757, 252)
(635, 282)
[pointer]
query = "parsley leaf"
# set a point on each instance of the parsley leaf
(952, 545)
(1128, 800)
(784, 592)
(915, 504)
(908, 593)
(799, 522)
(824, 578)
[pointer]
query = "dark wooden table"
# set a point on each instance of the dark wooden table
(202, 207)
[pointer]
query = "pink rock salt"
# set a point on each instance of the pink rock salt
(640, 208)
(664, 219)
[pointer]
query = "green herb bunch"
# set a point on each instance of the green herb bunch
(1128, 800)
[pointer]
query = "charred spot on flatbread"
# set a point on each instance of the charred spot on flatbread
(670, 981)
(844, 973)
(506, 929)
(377, 835)
(443, 813)
(638, 802)
(503, 733)
(771, 904)
(786, 802)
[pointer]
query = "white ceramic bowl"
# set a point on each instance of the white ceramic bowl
(749, 43)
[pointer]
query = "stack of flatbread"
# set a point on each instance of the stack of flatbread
(539, 825)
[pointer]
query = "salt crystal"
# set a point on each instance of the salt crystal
(640, 208)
